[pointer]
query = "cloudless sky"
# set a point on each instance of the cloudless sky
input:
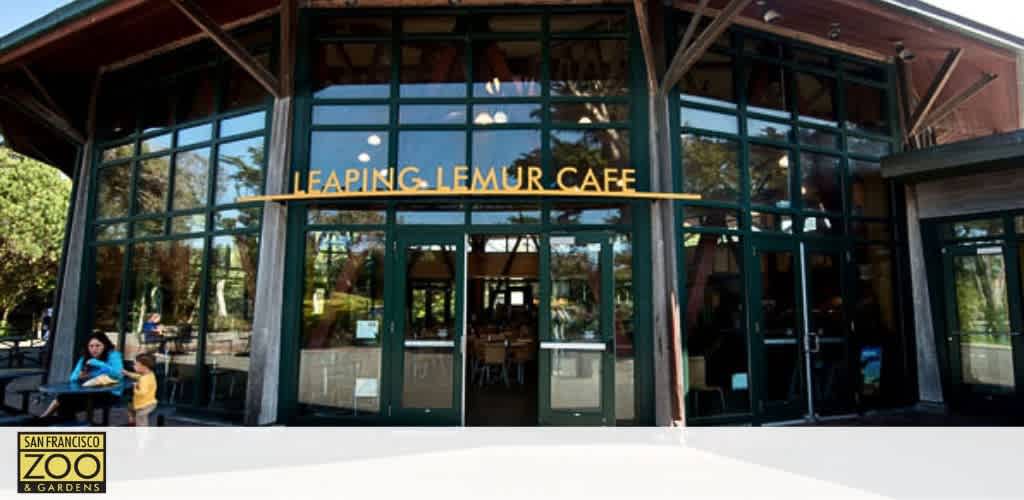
(1007, 15)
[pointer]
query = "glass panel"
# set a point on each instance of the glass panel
(106, 232)
(597, 214)
(196, 93)
(500, 214)
(866, 109)
(719, 374)
(710, 217)
(433, 24)
(502, 23)
(825, 294)
(191, 179)
(149, 227)
(195, 223)
(769, 176)
(711, 168)
(710, 81)
(165, 311)
(151, 185)
(625, 330)
(778, 314)
(596, 154)
(760, 47)
(354, 25)
(500, 158)
(157, 113)
(342, 321)
(432, 114)
(231, 302)
(430, 298)
(345, 157)
(428, 151)
(500, 114)
(194, 135)
(809, 58)
(870, 192)
(766, 89)
(351, 115)
(987, 361)
(874, 231)
(586, 113)
(435, 214)
(589, 68)
(155, 144)
(119, 152)
(506, 69)
(588, 22)
(242, 90)
(820, 138)
(979, 228)
(816, 98)
(575, 290)
(1020, 227)
(352, 70)
(239, 170)
(346, 217)
(113, 186)
(768, 130)
(867, 147)
(575, 380)
(823, 226)
(981, 303)
(875, 323)
(821, 183)
(433, 69)
(869, 71)
(242, 124)
(708, 120)
(237, 218)
(106, 293)
(767, 221)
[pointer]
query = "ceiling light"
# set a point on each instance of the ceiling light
(500, 117)
(771, 16)
(784, 161)
(351, 3)
(834, 30)
(483, 118)
(585, 120)
(373, 140)
(363, 157)
(903, 52)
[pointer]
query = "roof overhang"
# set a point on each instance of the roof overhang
(986, 154)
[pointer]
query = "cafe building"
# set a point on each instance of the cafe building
(385, 212)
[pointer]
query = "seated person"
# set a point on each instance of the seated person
(99, 357)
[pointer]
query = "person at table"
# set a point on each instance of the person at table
(153, 331)
(99, 357)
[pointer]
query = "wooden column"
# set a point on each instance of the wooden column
(261, 402)
(63, 349)
(929, 381)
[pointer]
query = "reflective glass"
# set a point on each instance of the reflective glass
(152, 181)
(821, 185)
(113, 184)
(711, 168)
(769, 176)
(352, 70)
(433, 69)
(589, 68)
(191, 179)
(239, 170)
(345, 156)
(231, 304)
(506, 69)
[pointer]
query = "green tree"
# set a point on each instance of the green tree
(33, 207)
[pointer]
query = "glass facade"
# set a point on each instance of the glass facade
(781, 141)
(176, 253)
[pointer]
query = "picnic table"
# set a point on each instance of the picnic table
(90, 393)
(10, 375)
(13, 345)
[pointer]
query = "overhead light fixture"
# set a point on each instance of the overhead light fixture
(500, 117)
(768, 15)
(373, 140)
(483, 118)
(453, 3)
(834, 30)
(363, 158)
(784, 161)
(351, 3)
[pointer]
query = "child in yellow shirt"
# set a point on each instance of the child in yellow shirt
(144, 395)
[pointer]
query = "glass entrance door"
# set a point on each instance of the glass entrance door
(982, 323)
(428, 362)
(800, 334)
(577, 359)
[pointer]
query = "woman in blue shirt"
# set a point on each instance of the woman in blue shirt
(99, 357)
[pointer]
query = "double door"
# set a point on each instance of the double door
(801, 330)
(427, 344)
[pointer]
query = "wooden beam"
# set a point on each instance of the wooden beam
(31, 76)
(228, 43)
(682, 62)
(691, 29)
(288, 46)
(934, 90)
(794, 34)
(640, 6)
(960, 99)
(182, 42)
(31, 107)
(903, 97)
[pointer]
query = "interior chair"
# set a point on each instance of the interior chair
(493, 358)
(699, 382)
(520, 355)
